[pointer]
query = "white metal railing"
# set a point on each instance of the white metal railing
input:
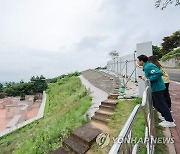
(123, 143)
(125, 66)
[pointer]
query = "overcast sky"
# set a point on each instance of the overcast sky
(54, 37)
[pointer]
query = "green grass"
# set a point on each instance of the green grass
(139, 129)
(159, 148)
(66, 105)
(174, 53)
(119, 118)
(116, 123)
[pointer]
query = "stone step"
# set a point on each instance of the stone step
(101, 126)
(100, 119)
(106, 108)
(113, 96)
(60, 151)
(100, 81)
(103, 114)
(113, 91)
(117, 87)
(109, 103)
(116, 91)
(86, 134)
(75, 146)
(111, 100)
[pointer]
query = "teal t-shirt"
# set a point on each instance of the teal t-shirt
(154, 74)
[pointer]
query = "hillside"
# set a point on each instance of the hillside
(67, 102)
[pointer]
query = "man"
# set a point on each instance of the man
(153, 74)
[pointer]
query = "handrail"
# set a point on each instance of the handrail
(126, 130)
(144, 98)
(117, 145)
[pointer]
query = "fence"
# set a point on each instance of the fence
(122, 145)
(125, 66)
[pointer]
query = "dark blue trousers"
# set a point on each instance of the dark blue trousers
(167, 96)
(161, 106)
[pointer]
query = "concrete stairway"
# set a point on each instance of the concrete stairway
(101, 80)
(106, 109)
(80, 140)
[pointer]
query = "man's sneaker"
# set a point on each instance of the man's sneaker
(161, 118)
(170, 110)
(167, 124)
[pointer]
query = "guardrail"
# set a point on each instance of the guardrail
(125, 66)
(123, 143)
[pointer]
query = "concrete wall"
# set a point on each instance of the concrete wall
(127, 64)
(173, 62)
(145, 49)
(124, 65)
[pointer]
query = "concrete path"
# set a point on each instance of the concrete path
(97, 96)
(175, 98)
(174, 74)
(30, 114)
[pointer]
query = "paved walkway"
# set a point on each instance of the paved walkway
(3, 120)
(97, 96)
(30, 114)
(175, 98)
(174, 74)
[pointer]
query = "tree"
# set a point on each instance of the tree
(163, 3)
(156, 51)
(39, 84)
(1, 87)
(170, 42)
(114, 54)
(22, 96)
(22, 81)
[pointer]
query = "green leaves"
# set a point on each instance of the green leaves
(164, 3)
(114, 54)
(174, 53)
(65, 106)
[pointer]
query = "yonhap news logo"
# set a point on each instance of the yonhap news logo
(134, 140)
(103, 140)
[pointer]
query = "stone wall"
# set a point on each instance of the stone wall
(173, 62)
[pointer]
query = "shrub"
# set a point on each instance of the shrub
(2, 95)
(174, 53)
(22, 96)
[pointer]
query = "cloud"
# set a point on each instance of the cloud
(57, 37)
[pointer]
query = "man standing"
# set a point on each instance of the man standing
(153, 74)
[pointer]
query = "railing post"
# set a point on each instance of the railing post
(120, 67)
(150, 104)
(117, 66)
(126, 135)
(126, 68)
(135, 64)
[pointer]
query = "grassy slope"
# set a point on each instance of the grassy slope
(66, 104)
(171, 54)
(117, 121)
